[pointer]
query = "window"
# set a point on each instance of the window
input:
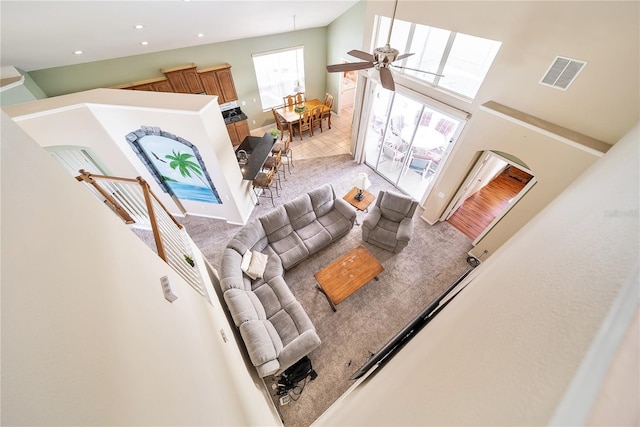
(278, 72)
(463, 59)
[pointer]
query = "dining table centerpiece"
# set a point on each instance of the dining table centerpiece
(300, 108)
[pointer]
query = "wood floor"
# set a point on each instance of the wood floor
(477, 212)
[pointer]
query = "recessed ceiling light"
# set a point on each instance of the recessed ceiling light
(139, 27)
(78, 52)
(200, 35)
(144, 43)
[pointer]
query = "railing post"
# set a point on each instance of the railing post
(86, 177)
(152, 218)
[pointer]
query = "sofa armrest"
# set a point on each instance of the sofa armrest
(405, 230)
(372, 218)
(297, 349)
(345, 209)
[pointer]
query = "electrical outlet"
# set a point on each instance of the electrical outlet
(224, 336)
(166, 289)
(254, 122)
(244, 103)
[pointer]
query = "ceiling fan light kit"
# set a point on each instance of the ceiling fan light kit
(381, 60)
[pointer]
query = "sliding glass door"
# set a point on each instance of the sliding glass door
(407, 140)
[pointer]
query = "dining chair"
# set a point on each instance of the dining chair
(425, 119)
(263, 182)
(444, 126)
(299, 98)
(316, 118)
(326, 113)
(304, 123)
(289, 101)
(281, 124)
(394, 152)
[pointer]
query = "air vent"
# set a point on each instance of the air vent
(562, 72)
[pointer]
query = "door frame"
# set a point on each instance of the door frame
(461, 195)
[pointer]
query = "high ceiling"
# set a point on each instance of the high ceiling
(44, 34)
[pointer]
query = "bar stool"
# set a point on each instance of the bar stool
(264, 181)
(275, 163)
(284, 147)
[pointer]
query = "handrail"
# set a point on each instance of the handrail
(90, 179)
(134, 202)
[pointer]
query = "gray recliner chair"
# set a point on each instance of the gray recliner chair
(389, 224)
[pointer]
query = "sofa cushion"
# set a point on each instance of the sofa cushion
(251, 236)
(244, 306)
(385, 232)
(314, 236)
(231, 276)
(274, 295)
(336, 224)
(276, 224)
(322, 199)
(300, 212)
(262, 341)
(395, 206)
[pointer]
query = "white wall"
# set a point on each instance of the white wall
(554, 163)
(87, 336)
(506, 349)
(606, 34)
(101, 118)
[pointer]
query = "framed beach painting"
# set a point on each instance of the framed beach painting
(175, 164)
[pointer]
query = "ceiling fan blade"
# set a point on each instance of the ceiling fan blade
(362, 55)
(349, 66)
(415, 69)
(404, 55)
(387, 79)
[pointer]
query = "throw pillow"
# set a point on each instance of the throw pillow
(257, 265)
(246, 260)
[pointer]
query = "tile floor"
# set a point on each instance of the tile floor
(329, 142)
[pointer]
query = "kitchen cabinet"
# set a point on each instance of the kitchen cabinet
(227, 86)
(238, 131)
(219, 81)
(160, 84)
(216, 80)
(184, 79)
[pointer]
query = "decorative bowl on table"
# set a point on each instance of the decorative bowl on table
(300, 109)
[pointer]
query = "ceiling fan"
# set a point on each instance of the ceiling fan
(381, 59)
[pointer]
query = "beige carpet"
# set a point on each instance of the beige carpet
(365, 321)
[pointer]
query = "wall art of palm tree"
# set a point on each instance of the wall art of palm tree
(175, 163)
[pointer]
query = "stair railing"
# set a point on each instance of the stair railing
(135, 203)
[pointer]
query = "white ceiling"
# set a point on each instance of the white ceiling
(44, 34)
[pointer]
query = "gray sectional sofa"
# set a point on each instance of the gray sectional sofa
(276, 330)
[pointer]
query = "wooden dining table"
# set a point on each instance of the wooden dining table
(289, 114)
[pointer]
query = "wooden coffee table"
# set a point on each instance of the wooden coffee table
(347, 274)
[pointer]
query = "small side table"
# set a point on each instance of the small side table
(361, 205)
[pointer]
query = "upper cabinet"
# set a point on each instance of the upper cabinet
(188, 78)
(219, 81)
(160, 84)
(184, 79)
